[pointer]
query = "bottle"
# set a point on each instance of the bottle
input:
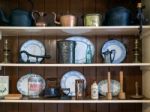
(94, 91)
(88, 54)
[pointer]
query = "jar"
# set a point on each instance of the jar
(79, 88)
(94, 91)
(35, 86)
(93, 20)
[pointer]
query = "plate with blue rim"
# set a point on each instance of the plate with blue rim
(81, 48)
(103, 87)
(68, 81)
(33, 47)
(118, 47)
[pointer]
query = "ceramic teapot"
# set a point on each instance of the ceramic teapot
(18, 17)
(65, 20)
(39, 18)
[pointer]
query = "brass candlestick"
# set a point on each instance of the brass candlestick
(6, 52)
(136, 51)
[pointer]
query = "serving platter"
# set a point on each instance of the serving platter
(81, 48)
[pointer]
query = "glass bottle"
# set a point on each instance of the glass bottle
(88, 54)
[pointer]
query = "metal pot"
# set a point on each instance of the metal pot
(118, 16)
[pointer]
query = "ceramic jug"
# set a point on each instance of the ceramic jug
(65, 20)
(109, 56)
(39, 18)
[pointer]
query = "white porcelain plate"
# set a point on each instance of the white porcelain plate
(22, 84)
(103, 89)
(81, 47)
(33, 47)
(68, 81)
(120, 50)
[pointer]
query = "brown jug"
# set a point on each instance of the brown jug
(65, 20)
(39, 18)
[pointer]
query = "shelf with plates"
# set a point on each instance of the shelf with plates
(76, 65)
(66, 31)
(73, 101)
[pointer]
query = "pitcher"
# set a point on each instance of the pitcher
(39, 18)
(109, 56)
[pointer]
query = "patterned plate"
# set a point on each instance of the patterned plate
(33, 47)
(118, 47)
(22, 84)
(68, 81)
(81, 48)
(115, 87)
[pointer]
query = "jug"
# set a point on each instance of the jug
(18, 17)
(53, 90)
(65, 20)
(109, 56)
(39, 18)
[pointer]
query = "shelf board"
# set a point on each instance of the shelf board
(75, 65)
(66, 31)
(74, 101)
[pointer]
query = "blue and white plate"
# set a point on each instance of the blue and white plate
(81, 48)
(33, 47)
(22, 83)
(68, 81)
(103, 87)
(120, 50)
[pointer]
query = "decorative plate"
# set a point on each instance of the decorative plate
(33, 47)
(115, 87)
(22, 84)
(118, 47)
(81, 47)
(68, 81)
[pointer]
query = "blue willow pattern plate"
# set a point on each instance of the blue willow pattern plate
(22, 83)
(81, 48)
(68, 81)
(118, 47)
(103, 88)
(33, 47)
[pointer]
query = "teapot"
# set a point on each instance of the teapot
(65, 20)
(109, 56)
(39, 18)
(18, 17)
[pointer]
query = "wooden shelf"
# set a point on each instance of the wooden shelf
(75, 65)
(65, 31)
(74, 101)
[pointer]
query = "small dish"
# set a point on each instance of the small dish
(103, 89)
(68, 81)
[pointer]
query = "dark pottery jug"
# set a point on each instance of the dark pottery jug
(18, 17)
(118, 16)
